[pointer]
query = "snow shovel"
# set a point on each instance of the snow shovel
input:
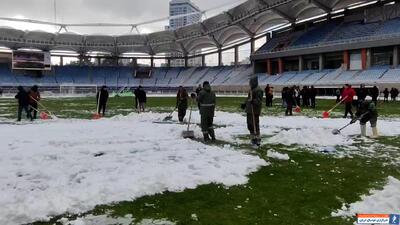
(326, 114)
(189, 134)
(43, 115)
(297, 109)
(169, 117)
(337, 131)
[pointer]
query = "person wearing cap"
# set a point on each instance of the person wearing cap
(367, 112)
(207, 100)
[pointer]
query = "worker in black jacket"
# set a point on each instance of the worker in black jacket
(102, 98)
(23, 103)
(142, 98)
(182, 103)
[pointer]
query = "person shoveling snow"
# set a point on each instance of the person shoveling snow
(366, 112)
(44, 113)
(23, 103)
(34, 98)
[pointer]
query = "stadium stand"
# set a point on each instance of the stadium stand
(316, 34)
(285, 77)
(313, 78)
(331, 32)
(298, 78)
(119, 77)
(344, 78)
(369, 76)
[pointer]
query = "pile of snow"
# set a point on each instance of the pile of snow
(277, 155)
(315, 132)
(101, 219)
(49, 168)
(386, 201)
(105, 219)
(155, 222)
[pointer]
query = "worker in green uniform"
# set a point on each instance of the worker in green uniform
(207, 100)
(253, 107)
(367, 112)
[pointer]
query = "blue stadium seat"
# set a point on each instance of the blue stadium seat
(391, 76)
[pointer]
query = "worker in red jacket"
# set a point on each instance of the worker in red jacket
(347, 97)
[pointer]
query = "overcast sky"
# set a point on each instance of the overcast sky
(102, 11)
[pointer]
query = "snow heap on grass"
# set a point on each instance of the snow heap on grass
(315, 132)
(277, 155)
(101, 219)
(386, 201)
(49, 168)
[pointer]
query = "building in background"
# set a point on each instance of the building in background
(192, 15)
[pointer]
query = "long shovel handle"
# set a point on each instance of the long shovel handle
(98, 102)
(190, 114)
(359, 118)
(172, 112)
(345, 127)
(41, 105)
(176, 107)
(334, 107)
(252, 113)
(35, 109)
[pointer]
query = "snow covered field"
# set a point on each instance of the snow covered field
(379, 201)
(44, 165)
(53, 167)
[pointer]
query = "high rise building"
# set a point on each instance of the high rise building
(183, 7)
(192, 15)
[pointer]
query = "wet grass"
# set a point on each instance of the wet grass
(83, 108)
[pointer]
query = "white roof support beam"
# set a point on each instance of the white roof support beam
(205, 31)
(240, 25)
(284, 15)
(321, 5)
(148, 45)
(184, 51)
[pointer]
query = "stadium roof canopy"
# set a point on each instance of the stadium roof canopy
(246, 20)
